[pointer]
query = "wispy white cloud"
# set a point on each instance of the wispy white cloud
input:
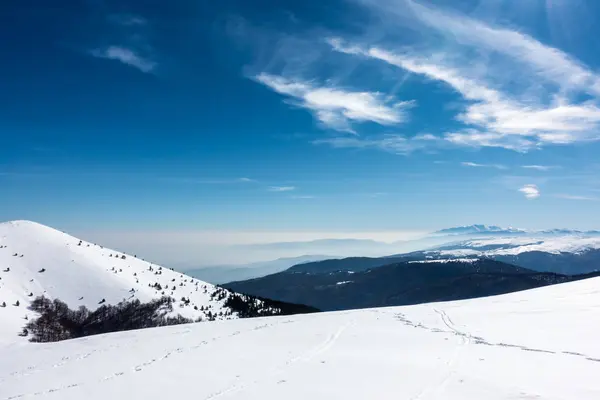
(281, 188)
(540, 167)
(493, 118)
(377, 194)
(204, 181)
(529, 96)
(546, 62)
(392, 143)
(530, 191)
(476, 165)
(576, 197)
(126, 56)
(338, 108)
(128, 20)
(303, 197)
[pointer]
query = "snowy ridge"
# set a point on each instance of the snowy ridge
(536, 344)
(445, 261)
(37, 260)
(497, 246)
(479, 230)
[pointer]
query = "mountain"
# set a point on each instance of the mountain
(567, 254)
(228, 273)
(353, 264)
(570, 254)
(401, 283)
(479, 230)
(36, 260)
(534, 344)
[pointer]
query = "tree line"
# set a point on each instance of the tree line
(57, 321)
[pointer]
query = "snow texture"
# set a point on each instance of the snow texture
(37, 260)
(537, 344)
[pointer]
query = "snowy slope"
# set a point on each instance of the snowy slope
(82, 273)
(537, 344)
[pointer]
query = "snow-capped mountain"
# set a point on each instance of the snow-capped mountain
(566, 254)
(37, 260)
(536, 344)
(496, 246)
(478, 229)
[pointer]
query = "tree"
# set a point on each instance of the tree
(57, 322)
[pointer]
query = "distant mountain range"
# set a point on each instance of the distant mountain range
(460, 269)
(398, 283)
(478, 229)
(494, 230)
(228, 273)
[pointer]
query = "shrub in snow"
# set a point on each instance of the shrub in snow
(58, 322)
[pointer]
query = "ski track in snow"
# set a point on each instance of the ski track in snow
(536, 344)
(134, 368)
(469, 339)
(321, 348)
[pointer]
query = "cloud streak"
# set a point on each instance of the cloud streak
(476, 165)
(281, 188)
(576, 197)
(128, 20)
(126, 56)
(540, 167)
(392, 143)
(338, 108)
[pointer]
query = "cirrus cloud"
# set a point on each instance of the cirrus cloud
(126, 56)
(338, 108)
(281, 188)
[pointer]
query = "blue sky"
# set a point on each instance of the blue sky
(359, 115)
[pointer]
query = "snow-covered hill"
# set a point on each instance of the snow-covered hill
(37, 260)
(537, 344)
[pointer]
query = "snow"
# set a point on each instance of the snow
(537, 344)
(517, 245)
(444, 261)
(82, 275)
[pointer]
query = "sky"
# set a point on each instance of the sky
(279, 116)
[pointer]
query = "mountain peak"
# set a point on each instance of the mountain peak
(38, 260)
